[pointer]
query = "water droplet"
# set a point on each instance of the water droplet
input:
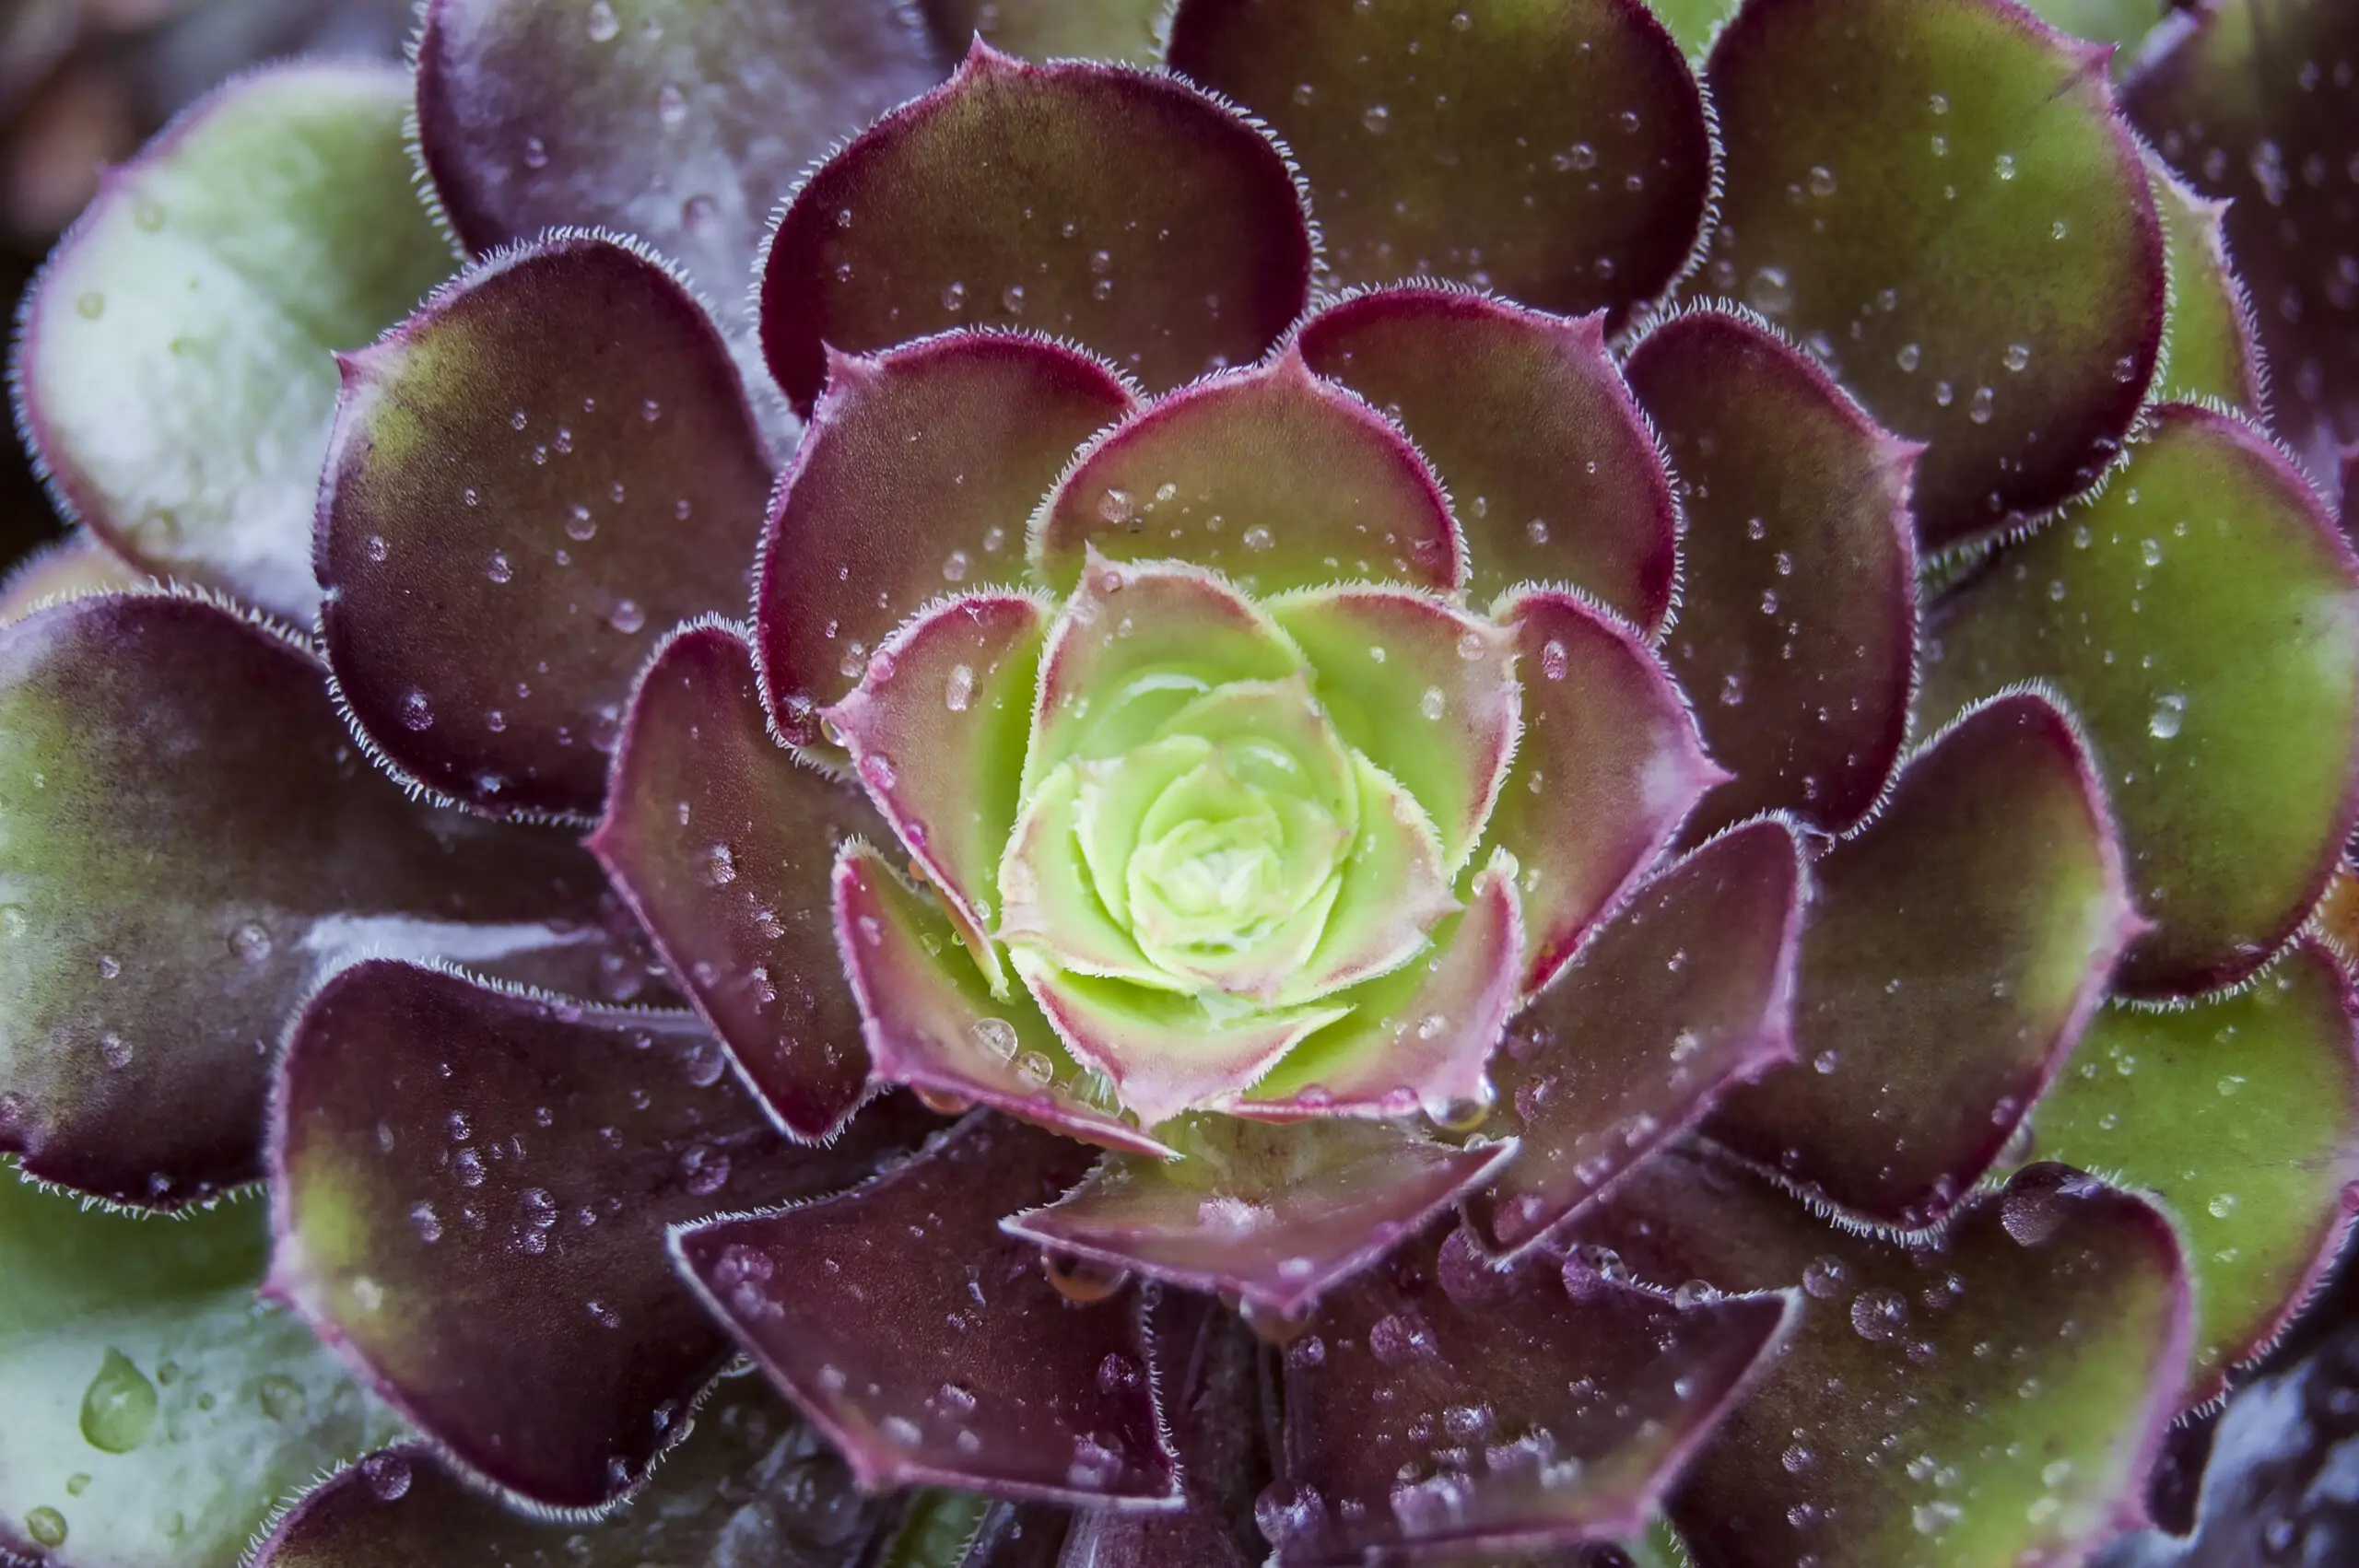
(1258, 539)
(1770, 291)
(671, 107)
(1081, 1280)
(282, 1397)
(375, 547)
(1376, 118)
(628, 617)
(995, 1037)
(1554, 661)
(1796, 1459)
(1878, 1314)
(2018, 355)
(536, 153)
(959, 690)
(954, 567)
(387, 1475)
(1035, 1069)
(704, 1171)
(417, 712)
(2221, 1206)
(2004, 165)
(603, 23)
(954, 297)
(1821, 181)
(2170, 715)
(250, 941)
(91, 306)
(119, 1407)
(719, 866)
(46, 1526)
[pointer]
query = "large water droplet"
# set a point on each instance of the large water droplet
(119, 1407)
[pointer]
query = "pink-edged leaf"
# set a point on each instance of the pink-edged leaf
(1270, 475)
(1689, 990)
(2030, 1356)
(2214, 341)
(1277, 1216)
(1939, 198)
(470, 1188)
(1558, 153)
(932, 1024)
(1553, 470)
(1957, 945)
(1610, 766)
(64, 568)
(548, 467)
(683, 121)
(930, 1347)
(192, 844)
(723, 841)
(1418, 1038)
(2258, 104)
(1164, 1053)
(937, 731)
(1447, 1405)
(1798, 601)
(917, 477)
(1440, 709)
(924, 223)
(747, 1458)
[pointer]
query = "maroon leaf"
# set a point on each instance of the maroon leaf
(469, 1187)
(1958, 945)
(933, 1349)
(192, 842)
(1441, 1403)
(1553, 470)
(918, 476)
(1271, 475)
(1688, 991)
(1798, 604)
(917, 226)
(724, 842)
(1274, 1215)
(548, 467)
(1557, 153)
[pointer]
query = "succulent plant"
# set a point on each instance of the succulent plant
(1356, 781)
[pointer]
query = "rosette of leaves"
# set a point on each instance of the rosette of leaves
(1357, 780)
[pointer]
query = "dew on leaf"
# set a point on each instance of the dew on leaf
(119, 1407)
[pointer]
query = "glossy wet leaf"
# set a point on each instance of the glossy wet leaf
(684, 123)
(930, 1348)
(155, 1416)
(1797, 630)
(515, 510)
(1992, 1397)
(907, 231)
(471, 1187)
(1437, 1404)
(1552, 472)
(917, 479)
(1938, 196)
(2238, 1113)
(177, 381)
(193, 841)
(2201, 616)
(749, 1478)
(1555, 150)
(1956, 947)
(1687, 991)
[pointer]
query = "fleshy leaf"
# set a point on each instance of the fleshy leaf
(2261, 105)
(1271, 475)
(1693, 22)
(1609, 769)
(1553, 469)
(917, 477)
(930, 1024)
(1277, 1215)
(514, 509)
(1439, 710)
(1417, 1038)
(1164, 1053)
(1688, 991)
(2201, 616)
(1441, 1403)
(154, 1415)
(1556, 150)
(1940, 198)
(907, 231)
(1991, 1396)
(1797, 631)
(937, 730)
(1134, 645)
(1957, 945)
(683, 121)
(1050, 904)
(2214, 352)
(930, 1347)
(1054, 30)
(724, 842)
(64, 568)
(746, 1468)
(468, 1185)
(2239, 1113)
(176, 381)
(192, 842)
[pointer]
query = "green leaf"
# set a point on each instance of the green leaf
(2211, 352)
(1693, 22)
(156, 1412)
(176, 371)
